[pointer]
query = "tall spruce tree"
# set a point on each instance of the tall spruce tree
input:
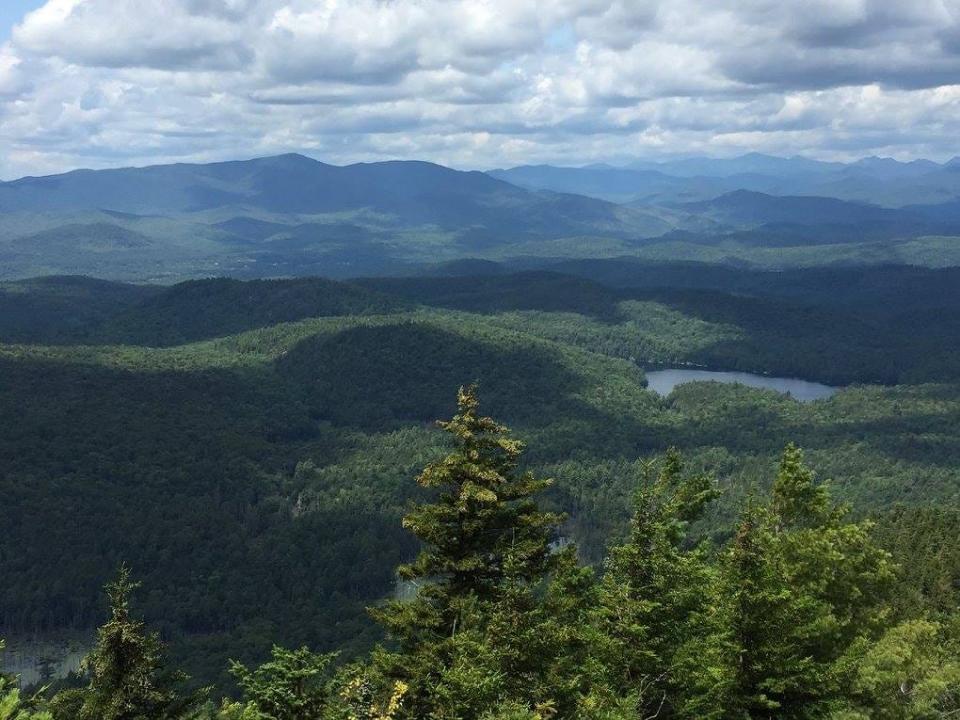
(484, 539)
(128, 680)
(652, 592)
(801, 586)
(762, 614)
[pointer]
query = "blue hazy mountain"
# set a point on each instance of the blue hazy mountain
(749, 164)
(882, 181)
(291, 215)
(288, 215)
(405, 191)
(746, 208)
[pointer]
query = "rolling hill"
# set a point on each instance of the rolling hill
(290, 215)
(743, 208)
(407, 192)
(287, 215)
(249, 446)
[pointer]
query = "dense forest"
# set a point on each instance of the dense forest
(248, 449)
(503, 376)
(798, 614)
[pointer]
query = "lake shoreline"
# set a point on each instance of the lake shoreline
(664, 381)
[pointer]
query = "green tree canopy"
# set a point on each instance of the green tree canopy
(481, 535)
(128, 679)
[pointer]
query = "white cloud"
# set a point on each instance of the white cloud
(169, 34)
(13, 81)
(475, 82)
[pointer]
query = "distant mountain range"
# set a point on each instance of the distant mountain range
(405, 193)
(286, 215)
(292, 215)
(882, 181)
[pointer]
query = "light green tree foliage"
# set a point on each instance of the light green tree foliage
(230, 711)
(802, 588)
(128, 680)
(361, 696)
(534, 649)
(15, 707)
(911, 673)
(291, 686)
(485, 551)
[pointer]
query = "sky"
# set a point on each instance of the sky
(474, 83)
(11, 12)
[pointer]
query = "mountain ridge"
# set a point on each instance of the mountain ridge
(292, 215)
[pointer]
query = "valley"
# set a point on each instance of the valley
(479, 360)
(248, 446)
(229, 376)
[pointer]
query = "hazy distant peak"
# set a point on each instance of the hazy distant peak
(288, 158)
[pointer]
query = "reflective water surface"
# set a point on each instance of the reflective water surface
(663, 382)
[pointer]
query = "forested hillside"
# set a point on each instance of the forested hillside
(248, 447)
(535, 360)
(799, 613)
(287, 215)
(290, 215)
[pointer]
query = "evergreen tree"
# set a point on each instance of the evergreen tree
(127, 678)
(797, 499)
(911, 673)
(802, 587)
(484, 542)
(764, 662)
(653, 589)
(291, 686)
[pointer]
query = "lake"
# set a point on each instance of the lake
(663, 382)
(22, 657)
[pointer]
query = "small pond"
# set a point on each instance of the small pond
(663, 382)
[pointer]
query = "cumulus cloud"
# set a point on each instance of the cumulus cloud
(170, 35)
(475, 83)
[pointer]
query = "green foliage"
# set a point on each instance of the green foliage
(258, 479)
(485, 543)
(376, 377)
(923, 542)
(800, 586)
(232, 711)
(911, 672)
(201, 309)
(798, 501)
(13, 707)
(62, 309)
(291, 686)
(127, 677)
(652, 602)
